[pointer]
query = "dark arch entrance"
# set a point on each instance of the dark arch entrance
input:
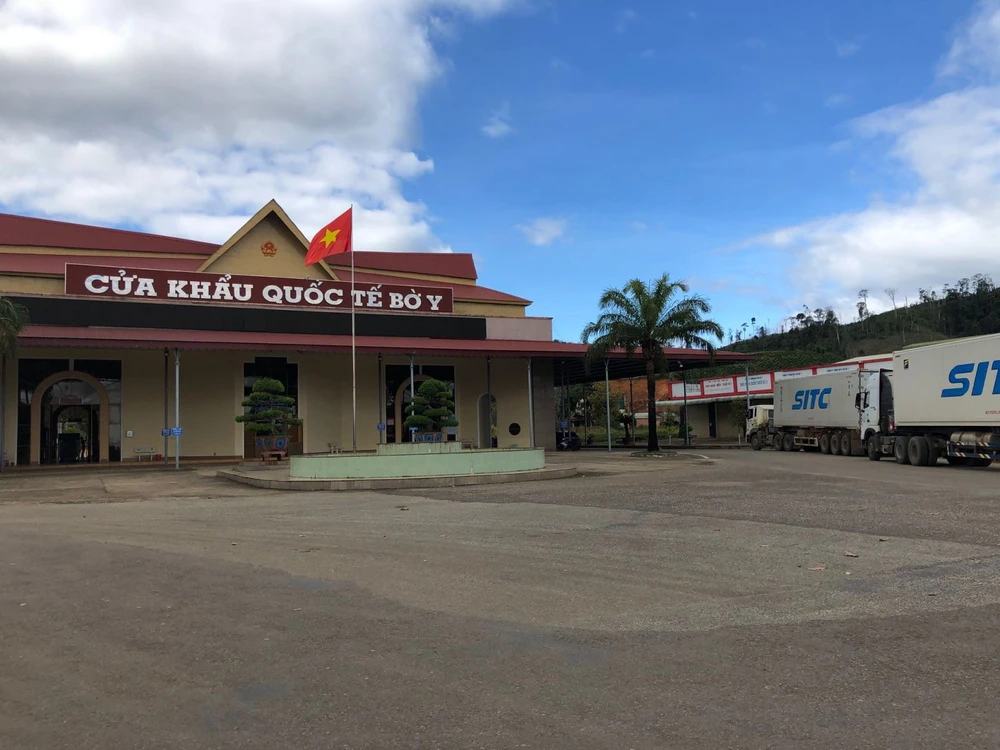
(70, 420)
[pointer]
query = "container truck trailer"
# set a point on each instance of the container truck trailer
(941, 400)
(817, 412)
(937, 401)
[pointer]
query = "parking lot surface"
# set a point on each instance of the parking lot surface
(755, 600)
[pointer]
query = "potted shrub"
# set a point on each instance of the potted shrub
(269, 413)
(430, 412)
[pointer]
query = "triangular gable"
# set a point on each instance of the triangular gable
(264, 246)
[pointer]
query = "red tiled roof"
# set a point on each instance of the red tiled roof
(55, 265)
(462, 291)
(29, 231)
(154, 338)
(455, 265)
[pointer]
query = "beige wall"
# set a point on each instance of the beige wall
(31, 284)
(698, 417)
(246, 257)
(510, 387)
(488, 309)
(543, 394)
(470, 385)
(522, 329)
(212, 389)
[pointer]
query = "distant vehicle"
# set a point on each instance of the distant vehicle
(568, 441)
(759, 423)
(937, 401)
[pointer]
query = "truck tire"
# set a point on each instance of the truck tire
(932, 453)
(900, 449)
(845, 444)
(918, 451)
(756, 442)
(824, 443)
(788, 442)
(834, 443)
(779, 442)
(873, 448)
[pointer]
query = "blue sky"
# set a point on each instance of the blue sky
(662, 133)
(773, 154)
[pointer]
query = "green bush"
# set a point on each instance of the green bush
(431, 408)
(268, 410)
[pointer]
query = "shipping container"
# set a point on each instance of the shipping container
(951, 384)
(817, 402)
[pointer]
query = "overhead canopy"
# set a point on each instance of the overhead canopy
(568, 359)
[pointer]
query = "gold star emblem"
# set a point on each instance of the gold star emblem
(330, 237)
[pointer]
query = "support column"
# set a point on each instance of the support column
(381, 402)
(177, 408)
(607, 401)
(489, 400)
(3, 412)
(413, 394)
(166, 407)
(531, 409)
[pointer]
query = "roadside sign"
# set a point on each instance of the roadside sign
(165, 431)
(381, 428)
(176, 431)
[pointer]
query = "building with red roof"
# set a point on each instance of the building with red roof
(135, 337)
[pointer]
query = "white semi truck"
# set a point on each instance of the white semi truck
(937, 401)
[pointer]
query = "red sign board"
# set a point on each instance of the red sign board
(110, 282)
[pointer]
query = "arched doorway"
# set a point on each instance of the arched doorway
(403, 396)
(487, 421)
(70, 419)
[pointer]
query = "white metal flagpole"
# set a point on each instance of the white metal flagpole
(354, 366)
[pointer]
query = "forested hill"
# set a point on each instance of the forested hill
(971, 307)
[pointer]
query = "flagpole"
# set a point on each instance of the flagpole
(354, 366)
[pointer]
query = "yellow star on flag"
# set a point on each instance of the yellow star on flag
(330, 237)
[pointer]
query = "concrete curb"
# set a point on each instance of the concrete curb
(403, 483)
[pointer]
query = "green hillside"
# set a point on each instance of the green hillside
(970, 307)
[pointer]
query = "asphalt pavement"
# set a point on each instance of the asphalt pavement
(756, 600)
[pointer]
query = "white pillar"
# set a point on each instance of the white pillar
(177, 408)
(531, 408)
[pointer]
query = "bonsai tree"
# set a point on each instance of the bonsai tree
(431, 408)
(269, 410)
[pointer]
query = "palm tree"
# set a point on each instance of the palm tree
(648, 318)
(13, 319)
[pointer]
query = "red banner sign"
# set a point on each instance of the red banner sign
(111, 282)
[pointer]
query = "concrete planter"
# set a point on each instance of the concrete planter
(417, 460)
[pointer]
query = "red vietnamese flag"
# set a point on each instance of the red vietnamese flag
(333, 239)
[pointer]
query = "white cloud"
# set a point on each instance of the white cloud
(625, 17)
(638, 226)
(544, 230)
(948, 225)
(499, 125)
(186, 116)
(755, 43)
(847, 49)
(558, 63)
(836, 101)
(692, 15)
(648, 54)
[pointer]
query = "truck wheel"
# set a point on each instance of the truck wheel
(845, 444)
(788, 442)
(932, 452)
(900, 448)
(779, 442)
(824, 443)
(755, 441)
(918, 451)
(872, 446)
(835, 443)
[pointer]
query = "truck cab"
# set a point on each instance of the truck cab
(759, 423)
